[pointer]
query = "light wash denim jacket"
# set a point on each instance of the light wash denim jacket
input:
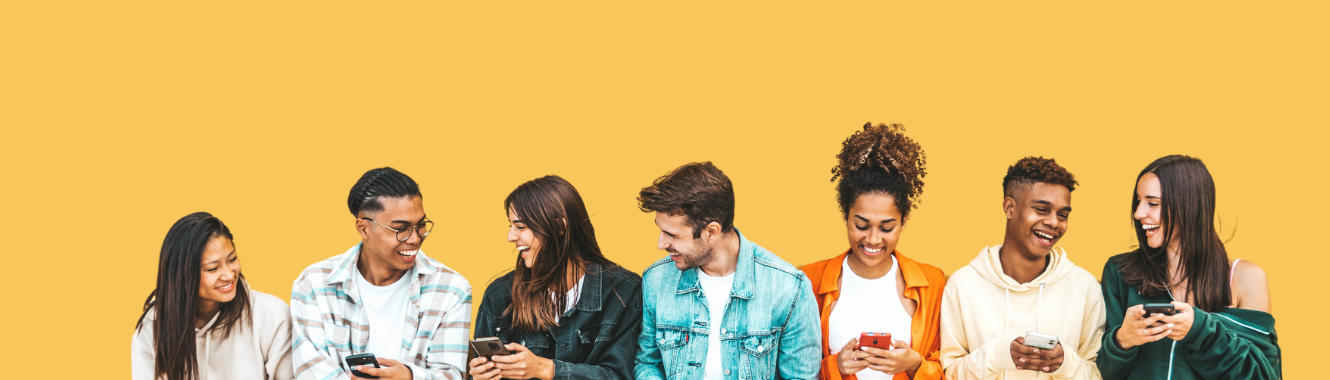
(770, 330)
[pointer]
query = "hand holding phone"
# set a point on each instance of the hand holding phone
(1159, 308)
(1040, 341)
(488, 347)
(357, 360)
(875, 339)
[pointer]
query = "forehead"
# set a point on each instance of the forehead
(1056, 194)
(1148, 184)
(218, 248)
(875, 205)
(404, 209)
(674, 224)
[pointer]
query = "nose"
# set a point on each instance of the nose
(228, 272)
(1140, 212)
(875, 237)
(414, 237)
(660, 242)
(512, 234)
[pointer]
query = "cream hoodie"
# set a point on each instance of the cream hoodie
(260, 351)
(983, 310)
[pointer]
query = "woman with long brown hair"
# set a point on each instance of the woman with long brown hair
(565, 310)
(1216, 322)
(203, 321)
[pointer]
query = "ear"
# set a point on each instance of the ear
(713, 232)
(362, 227)
(1009, 207)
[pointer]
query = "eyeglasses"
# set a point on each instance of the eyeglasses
(404, 233)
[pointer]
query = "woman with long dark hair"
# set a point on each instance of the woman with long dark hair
(1220, 325)
(203, 321)
(565, 310)
(871, 286)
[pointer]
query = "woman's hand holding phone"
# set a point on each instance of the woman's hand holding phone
(1138, 329)
(891, 362)
(523, 364)
(1179, 322)
(850, 360)
(482, 369)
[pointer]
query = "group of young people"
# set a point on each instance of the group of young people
(568, 312)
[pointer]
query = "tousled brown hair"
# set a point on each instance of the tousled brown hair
(1031, 170)
(699, 191)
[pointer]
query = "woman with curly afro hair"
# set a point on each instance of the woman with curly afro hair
(871, 287)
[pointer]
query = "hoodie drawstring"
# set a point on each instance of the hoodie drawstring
(1039, 327)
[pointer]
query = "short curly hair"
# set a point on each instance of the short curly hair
(880, 158)
(1031, 170)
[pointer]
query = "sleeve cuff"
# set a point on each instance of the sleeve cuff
(560, 370)
(1198, 321)
(1071, 363)
(1113, 351)
(999, 354)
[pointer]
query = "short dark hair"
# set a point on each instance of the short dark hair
(1031, 170)
(880, 159)
(381, 182)
(699, 191)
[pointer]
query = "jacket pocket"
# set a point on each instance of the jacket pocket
(673, 353)
(758, 357)
(339, 337)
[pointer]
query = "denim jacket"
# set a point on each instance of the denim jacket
(770, 329)
(594, 340)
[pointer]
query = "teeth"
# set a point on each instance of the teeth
(871, 250)
(408, 253)
(1149, 226)
(523, 248)
(1044, 235)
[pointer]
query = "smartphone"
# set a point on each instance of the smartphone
(1040, 341)
(488, 347)
(1159, 308)
(356, 360)
(872, 339)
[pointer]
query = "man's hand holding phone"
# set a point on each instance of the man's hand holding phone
(1034, 358)
(387, 369)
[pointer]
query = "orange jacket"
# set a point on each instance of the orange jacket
(923, 283)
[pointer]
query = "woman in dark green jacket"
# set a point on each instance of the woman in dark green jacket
(1222, 328)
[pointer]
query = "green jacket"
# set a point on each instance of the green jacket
(1232, 344)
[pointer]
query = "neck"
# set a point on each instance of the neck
(726, 256)
(870, 272)
(1021, 266)
(204, 312)
(1174, 263)
(376, 273)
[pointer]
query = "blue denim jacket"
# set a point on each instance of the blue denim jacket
(771, 328)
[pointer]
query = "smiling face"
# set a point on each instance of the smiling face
(1150, 210)
(1037, 218)
(676, 237)
(220, 271)
(527, 244)
(874, 227)
(381, 246)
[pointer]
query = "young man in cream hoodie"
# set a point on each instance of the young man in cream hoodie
(1024, 285)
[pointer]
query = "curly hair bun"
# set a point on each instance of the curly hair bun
(885, 149)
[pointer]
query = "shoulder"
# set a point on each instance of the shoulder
(815, 269)
(623, 277)
(267, 303)
(660, 269)
(445, 276)
(774, 264)
(1251, 287)
(317, 274)
(501, 287)
(934, 276)
(1082, 278)
(963, 276)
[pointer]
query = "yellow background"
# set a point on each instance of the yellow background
(120, 117)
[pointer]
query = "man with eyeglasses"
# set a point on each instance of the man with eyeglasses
(383, 296)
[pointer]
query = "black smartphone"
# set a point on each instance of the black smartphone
(1159, 308)
(488, 347)
(356, 360)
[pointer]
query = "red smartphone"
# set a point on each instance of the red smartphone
(872, 339)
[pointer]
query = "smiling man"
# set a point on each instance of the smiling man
(1024, 286)
(383, 296)
(752, 313)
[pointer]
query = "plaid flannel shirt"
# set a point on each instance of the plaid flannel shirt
(329, 323)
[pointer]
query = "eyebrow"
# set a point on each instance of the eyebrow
(668, 233)
(422, 220)
(1050, 204)
(227, 255)
(887, 220)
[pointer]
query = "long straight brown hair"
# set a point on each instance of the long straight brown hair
(174, 299)
(1187, 195)
(546, 205)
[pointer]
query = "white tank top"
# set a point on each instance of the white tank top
(867, 306)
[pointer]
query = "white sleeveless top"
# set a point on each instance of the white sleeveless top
(867, 306)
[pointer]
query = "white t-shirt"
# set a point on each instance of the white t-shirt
(570, 298)
(867, 306)
(386, 307)
(717, 290)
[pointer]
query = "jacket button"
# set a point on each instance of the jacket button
(722, 331)
(727, 372)
(759, 348)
